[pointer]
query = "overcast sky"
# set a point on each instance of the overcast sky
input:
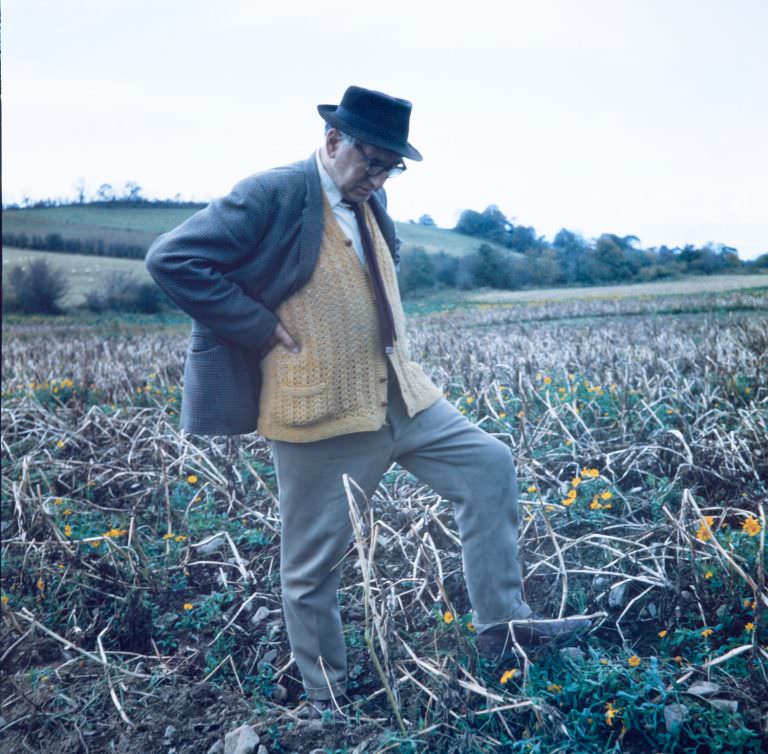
(641, 117)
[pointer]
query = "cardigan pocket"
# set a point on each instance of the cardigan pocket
(302, 405)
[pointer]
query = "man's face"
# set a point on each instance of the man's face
(348, 165)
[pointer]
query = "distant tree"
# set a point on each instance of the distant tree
(80, 189)
(105, 193)
(492, 225)
(446, 269)
(417, 271)
(36, 289)
(123, 293)
(610, 257)
(427, 220)
(572, 256)
(493, 268)
(132, 192)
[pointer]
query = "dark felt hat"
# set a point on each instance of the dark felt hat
(373, 117)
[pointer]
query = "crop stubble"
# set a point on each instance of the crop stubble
(671, 411)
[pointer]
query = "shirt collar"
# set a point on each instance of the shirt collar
(331, 191)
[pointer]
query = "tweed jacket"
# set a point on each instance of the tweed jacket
(229, 267)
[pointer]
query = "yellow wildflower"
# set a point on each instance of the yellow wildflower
(448, 617)
(470, 400)
(751, 526)
(747, 602)
(57, 501)
(708, 575)
(168, 535)
(749, 626)
(532, 488)
(662, 633)
(603, 660)
(179, 538)
(707, 632)
(67, 530)
(41, 584)
(4, 599)
(568, 501)
(592, 473)
(192, 479)
(68, 512)
(610, 713)
(595, 506)
(471, 626)
(555, 688)
(576, 481)
(633, 661)
(678, 659)
(96, 544)
(188, 606)
(569, 442)
(704, 532)
(606, 495)
(507, 675)
(503, 415)
(547, 380)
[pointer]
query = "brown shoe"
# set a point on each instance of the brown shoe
(497, 642)
(323, 710)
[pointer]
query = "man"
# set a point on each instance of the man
(299, 332)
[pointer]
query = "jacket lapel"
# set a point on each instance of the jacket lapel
(378, 202)
(311, 224)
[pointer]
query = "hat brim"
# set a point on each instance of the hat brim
(328, 114)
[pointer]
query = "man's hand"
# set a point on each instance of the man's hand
(282, 337)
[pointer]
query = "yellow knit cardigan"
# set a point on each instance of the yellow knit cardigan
(337, 384)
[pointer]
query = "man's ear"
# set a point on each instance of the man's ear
(332, 141)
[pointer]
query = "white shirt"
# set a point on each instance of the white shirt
(344, 215)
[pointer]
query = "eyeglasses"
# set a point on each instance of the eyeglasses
(375, 169)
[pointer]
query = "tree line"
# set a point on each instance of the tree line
(508, 256)
(513, 256)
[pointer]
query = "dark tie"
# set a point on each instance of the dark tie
(384, 310)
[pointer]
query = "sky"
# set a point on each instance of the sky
(634, 117)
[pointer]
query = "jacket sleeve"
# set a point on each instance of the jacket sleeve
(190, 264)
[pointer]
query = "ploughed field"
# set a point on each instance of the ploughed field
(140, 584)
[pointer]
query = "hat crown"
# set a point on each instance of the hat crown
(373, 117)
(383, 113)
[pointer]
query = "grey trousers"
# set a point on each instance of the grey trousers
(440, 447)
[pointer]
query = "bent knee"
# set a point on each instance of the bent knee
(497, 458)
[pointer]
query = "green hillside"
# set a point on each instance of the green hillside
(140, 225)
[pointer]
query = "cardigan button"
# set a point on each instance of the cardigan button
(348, 243)
(383, 404)
(382, 379)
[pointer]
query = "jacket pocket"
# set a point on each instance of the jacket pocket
(199, 343)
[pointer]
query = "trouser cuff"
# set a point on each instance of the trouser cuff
(326, 693)
(522, 613)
